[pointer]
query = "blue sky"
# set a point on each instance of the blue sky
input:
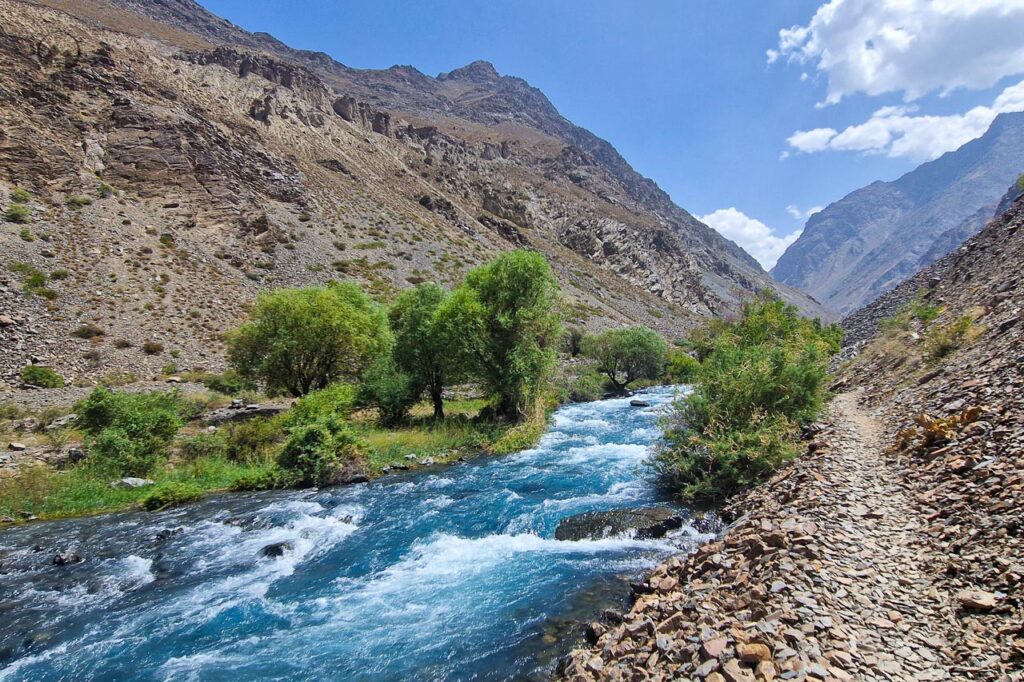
(689, 95)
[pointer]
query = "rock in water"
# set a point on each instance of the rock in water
(66, 559)
(277, 549)
(641, 523)
(639, 403)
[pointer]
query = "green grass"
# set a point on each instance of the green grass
(51, 494)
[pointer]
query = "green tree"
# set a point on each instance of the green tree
(302, 340)
(425, 347)
(627, 354)
(505, 321)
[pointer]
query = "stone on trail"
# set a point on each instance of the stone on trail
(977, 599)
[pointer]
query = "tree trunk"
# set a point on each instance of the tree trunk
(435, 397)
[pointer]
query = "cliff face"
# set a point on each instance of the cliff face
(870, 240)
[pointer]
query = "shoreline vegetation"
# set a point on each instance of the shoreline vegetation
(370, 388)
(363, 389)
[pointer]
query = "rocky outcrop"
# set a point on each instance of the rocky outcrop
(870, 240)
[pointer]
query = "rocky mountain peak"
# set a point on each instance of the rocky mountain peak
(480, 71)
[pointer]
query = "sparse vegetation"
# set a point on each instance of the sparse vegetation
(78, 201)
(20, 195)
(26, 235)
(44, 377)
(17, 213)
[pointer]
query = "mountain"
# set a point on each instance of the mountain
(871, 239)
(235, 164)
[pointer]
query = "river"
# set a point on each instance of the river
(447, 574)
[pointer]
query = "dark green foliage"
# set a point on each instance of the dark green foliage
(424, 343)
(760, 377)
(44, 377)
(319, 454)
(625, 355)
(127, 433)
(20, 195)
(574, 341)
(585, 387)
(682, 367)
(389, 389)
(302, 340)
(170, 494)
(252, 440)
(504, 318)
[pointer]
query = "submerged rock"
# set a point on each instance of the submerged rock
(640, 523)
(67, 558)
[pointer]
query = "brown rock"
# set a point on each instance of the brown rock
(977, 599)
(713, 648)
(753, 653)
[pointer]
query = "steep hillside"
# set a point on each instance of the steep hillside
(230, 163)
(870, 240)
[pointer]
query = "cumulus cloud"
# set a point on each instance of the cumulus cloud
(900, 132)
(909, 46)
(755, 237)
(799, 214)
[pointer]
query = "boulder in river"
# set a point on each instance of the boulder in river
(639, 403)
(277, 549)
(646, 523)
(67, 558)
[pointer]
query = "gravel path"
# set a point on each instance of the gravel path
(821, 578)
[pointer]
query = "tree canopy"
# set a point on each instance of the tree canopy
(302, 340)
(627, 354)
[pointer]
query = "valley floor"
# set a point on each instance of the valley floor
(826, 574)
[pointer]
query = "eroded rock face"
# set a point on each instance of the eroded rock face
(638, 523)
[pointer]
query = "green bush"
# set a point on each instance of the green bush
(628, 354)
(203, 445)
(682, 367)
(941, 341)
(44, 377)
(20, 195)
(78, 201)
(228, 383)
(26, 235)
(586, 387)
(302, 340)
(337, 400)
(17, 213)
(170, 494)
(760, 377)
(318, 454)
(389, 389)
(128, 433)
(252, 440)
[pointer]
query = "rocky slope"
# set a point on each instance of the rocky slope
(229, 163)
(892, 549)
(870, 240)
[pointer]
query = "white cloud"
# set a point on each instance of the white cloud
(755, 237)
(899, 132)
(795, 211)
(908, 46)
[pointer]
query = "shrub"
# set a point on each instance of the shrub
(104, 191)
(574, 341)
(253, 440)
(127, 433)
(44, 377)
(78, 201)
(265, 479)
(170, 494)
(941, 341)
(506, 325)
(20, 195)
(169, 368)
(302, 340)
(318, 454)
(228, 383)
(682, 367)
(625, 355)
(122, 343)
(26, 235)
(88, 331)
(59, 274)
(150, 347)
(386, 387)
(336, 400)
(17, 213)
(586, 387)
(203, 445)
(760, 376)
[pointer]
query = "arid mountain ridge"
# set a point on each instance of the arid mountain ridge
(238, 164)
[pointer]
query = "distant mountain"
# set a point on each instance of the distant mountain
(872, 239)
